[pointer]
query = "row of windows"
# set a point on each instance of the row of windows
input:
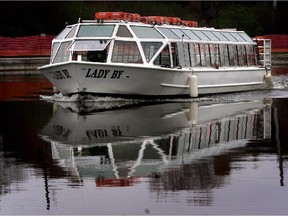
(177, 54)
(211, 55)
(151, 32)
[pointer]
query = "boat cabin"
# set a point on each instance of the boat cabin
(153, 45)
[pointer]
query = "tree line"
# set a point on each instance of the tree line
(23, 18)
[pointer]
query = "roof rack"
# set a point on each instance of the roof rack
(133, 17)
(101, 21)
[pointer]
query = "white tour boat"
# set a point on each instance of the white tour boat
(127, 54)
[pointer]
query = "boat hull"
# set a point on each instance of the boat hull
(78, 77)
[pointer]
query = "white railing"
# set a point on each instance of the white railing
(264, 49)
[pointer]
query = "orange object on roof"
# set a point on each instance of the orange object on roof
(174, 20)
(117, 16)
(155, 20)
(189, 23)
(134, 17)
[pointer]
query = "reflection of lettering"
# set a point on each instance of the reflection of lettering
(116, 132)
(61, 74)
(96, 133)
(82, 90)
(61, 131)
(100, 133)
(102, 73)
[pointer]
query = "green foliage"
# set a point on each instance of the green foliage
(238, 16)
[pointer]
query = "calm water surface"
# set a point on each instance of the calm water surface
(224, 154)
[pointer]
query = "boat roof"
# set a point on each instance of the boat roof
(107, 28)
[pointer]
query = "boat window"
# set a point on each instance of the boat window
(229, 36)
(95, 30)
(90, 50)
(190, 34)
(219, 35)
(126, 52)
(211, 36)
(250, 55)
(72, 32)
(123, 32)
(201, 35)
(53, 50)
(246, 37)
(175, 55)
(150, 49)
(192, 54)
(202, 54)
(248, 52)
(213, 48)
(237, 36)
(62, 53)
(224, 60)
(168, 33)
(254, 54)
(180, 52)
(232, 55)
(197, 54)
(180, 33)
(146, 32)
(183, 54)
(207, 54)
(241, 55)
(63, 33)
(88, 45)
(163, 59)
(187, 62)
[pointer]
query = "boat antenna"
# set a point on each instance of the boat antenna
(80, 12)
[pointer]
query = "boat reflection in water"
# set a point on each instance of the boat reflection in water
(116, 147)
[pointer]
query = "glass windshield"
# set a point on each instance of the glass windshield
(245, 36)
(95, 31)
(72, 32)
(62, 53)
(191, 34)
(54, 49)
(210, 35)
(146, 32)
(201, 35)
(229, 36)
(126, 52)
(87, 45)
(123, 32)
(63, 33)
(237, 36)
(168, 33)
(220, 36)
(180, 33)
(150, 49)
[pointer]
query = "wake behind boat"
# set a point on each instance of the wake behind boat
(127, 54)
